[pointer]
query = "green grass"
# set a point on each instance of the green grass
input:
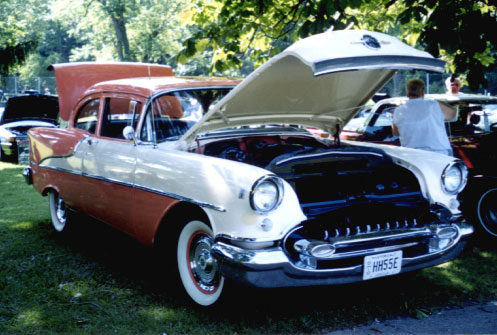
(97, 281)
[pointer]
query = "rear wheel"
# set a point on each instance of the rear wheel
(198, 269)
(58, 211)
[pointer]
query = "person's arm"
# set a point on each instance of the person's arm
(395, 130)
(448, 111)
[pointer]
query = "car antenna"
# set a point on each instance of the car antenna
(148, 66)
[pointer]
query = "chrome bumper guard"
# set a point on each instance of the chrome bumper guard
(272, 267)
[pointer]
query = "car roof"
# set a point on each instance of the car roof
(146, 87)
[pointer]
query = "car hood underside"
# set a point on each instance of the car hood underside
(320, 81)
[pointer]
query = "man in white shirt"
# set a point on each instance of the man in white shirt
(420, 123)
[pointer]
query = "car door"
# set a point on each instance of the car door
(109, 163)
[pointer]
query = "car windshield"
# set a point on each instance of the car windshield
(170, 115)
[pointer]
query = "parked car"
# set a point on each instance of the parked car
(20, 114)
(221, 176)
(473, 137)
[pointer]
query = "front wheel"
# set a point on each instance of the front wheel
(58, 211)
(198, 269)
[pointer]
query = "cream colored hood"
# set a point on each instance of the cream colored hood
(320, 81)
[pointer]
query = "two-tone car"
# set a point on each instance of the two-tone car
(222, 177)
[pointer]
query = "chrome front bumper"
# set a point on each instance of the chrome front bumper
(272, 267)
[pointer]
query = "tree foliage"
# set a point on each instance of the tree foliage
(460, 31)
(18, 35)
(231, 37)
(87, 30)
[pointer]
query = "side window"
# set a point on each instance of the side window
(385, 118)
(87, 116)
(119, 113)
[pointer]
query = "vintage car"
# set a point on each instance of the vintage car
(473, 136)
(22, 113)
(221, 176)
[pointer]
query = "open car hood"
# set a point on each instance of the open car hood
(75, 78)
(35, 107)
(320, 81)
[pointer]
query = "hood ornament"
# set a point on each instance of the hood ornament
(370, 42)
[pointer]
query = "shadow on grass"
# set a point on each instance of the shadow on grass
(286, 310)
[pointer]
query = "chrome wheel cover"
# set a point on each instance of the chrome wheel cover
(203, 266)
(60, 210)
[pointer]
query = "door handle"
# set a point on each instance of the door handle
(91, 141)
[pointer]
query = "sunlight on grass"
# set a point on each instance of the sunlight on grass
(452, 277)
(159, 313)
(30, 318)
(4, 165)
(23, 225)
(489, 256)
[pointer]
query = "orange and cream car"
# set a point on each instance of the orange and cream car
(223, 178)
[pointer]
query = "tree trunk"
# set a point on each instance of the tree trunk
(122, 44)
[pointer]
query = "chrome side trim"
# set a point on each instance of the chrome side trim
(182, 198)
(138, 187)
(64, 156)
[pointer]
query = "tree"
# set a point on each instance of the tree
(17, 34)
(119, 13)
(460, 31)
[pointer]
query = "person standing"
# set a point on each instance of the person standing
(420, 123)
(453, 85)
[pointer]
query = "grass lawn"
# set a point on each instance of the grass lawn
(97, 281)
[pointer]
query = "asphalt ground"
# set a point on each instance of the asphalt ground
(470, 319)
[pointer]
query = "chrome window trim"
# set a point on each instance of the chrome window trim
(167, 91)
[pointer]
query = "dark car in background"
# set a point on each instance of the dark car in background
(473, 136)
(20, 114)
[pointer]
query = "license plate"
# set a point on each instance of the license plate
(380, 265)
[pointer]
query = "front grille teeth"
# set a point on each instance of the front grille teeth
(370, 228)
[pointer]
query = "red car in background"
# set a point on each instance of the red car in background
(473, 137)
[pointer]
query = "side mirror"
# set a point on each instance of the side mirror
(129, 133)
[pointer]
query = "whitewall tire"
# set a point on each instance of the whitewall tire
(58, 211)
(198, 269)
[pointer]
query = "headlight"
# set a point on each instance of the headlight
(266, 194)
(454, 177)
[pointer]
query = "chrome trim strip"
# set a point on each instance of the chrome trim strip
(179, 197)
(393, 62)
(76, 147)
(327, 153)
(138, 187)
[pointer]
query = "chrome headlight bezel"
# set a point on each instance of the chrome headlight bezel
(457, 170)
(260, 189)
